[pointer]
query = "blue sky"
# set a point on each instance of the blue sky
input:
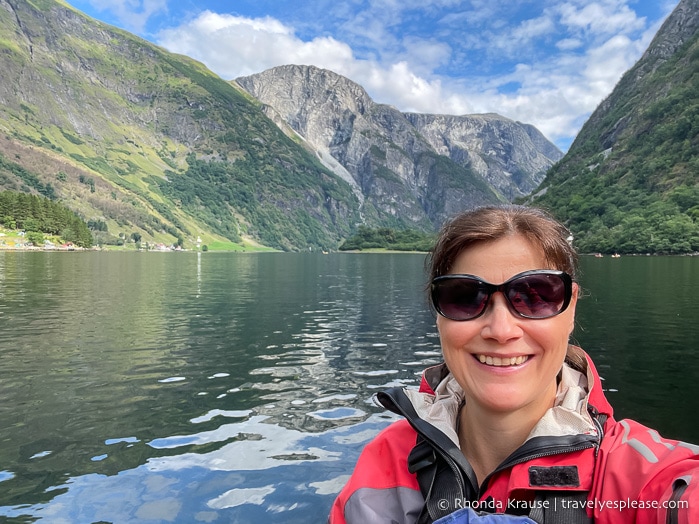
(543, 62)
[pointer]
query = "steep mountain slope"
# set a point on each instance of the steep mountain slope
(630, 181)
(121, 130)
(396, 171)
(372, 141)
(512, 157)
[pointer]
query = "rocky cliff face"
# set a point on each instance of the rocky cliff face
(339, 119)
(615, 115)
(510, 156)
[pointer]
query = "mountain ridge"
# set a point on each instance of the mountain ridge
(324, 107)
(129, 114)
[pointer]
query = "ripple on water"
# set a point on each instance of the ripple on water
(348, 396)
(399, 382)
(6, 475)
(221, 413)
(375, 373)
(172, 379)
(128, 440)
(337, 413)
(237, 497)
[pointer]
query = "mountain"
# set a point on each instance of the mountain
(512, 157)
(146, 141)
(150, 144)
(372, 142)
(630, 181)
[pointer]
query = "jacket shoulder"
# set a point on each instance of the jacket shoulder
(381, 488)
(639, 443)
(647, 472)
(384, 460)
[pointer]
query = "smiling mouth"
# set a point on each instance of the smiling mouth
(502, 362)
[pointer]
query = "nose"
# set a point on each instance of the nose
(500, 324)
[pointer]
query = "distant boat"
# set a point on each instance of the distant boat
(616, 255)
(598, 255)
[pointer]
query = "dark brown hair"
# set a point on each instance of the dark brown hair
(491, 223)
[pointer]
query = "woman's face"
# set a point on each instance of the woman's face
(499, 336)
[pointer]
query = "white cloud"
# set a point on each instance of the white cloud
(423, 55)
(533, 28)
(568, 44)
(401, 87)
(604, 62)
(605, 18)
(235, 46)
(559, 95)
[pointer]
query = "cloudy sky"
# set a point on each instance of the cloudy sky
(544, 62)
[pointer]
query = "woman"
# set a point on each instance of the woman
(514, 426)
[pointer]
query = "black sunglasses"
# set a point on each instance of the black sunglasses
(541, 293)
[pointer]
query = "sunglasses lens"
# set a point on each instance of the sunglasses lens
(459, 299)
(532, 294)
(538, 296)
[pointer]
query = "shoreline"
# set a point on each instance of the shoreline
(68, 249)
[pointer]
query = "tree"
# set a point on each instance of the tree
(35, 238)
(31, 224)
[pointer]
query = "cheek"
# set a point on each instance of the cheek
(552, 337)
(441, 328)
(454, 334)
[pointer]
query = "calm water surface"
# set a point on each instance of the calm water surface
(205, 387)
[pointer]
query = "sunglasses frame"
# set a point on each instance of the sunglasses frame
(493, 288)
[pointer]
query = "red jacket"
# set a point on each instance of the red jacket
(621, 471)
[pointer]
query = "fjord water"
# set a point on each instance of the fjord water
(207, 387)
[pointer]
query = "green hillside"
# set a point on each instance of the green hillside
(146, 141)
(630, 182)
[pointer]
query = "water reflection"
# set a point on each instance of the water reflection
(263, 472)
(173, 388)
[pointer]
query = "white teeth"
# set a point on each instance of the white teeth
(500, 362)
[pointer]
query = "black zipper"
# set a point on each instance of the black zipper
(556, 449)
(512, 461)
(415, 421)
(673, 512)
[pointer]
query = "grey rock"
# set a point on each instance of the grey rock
(418, 168)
